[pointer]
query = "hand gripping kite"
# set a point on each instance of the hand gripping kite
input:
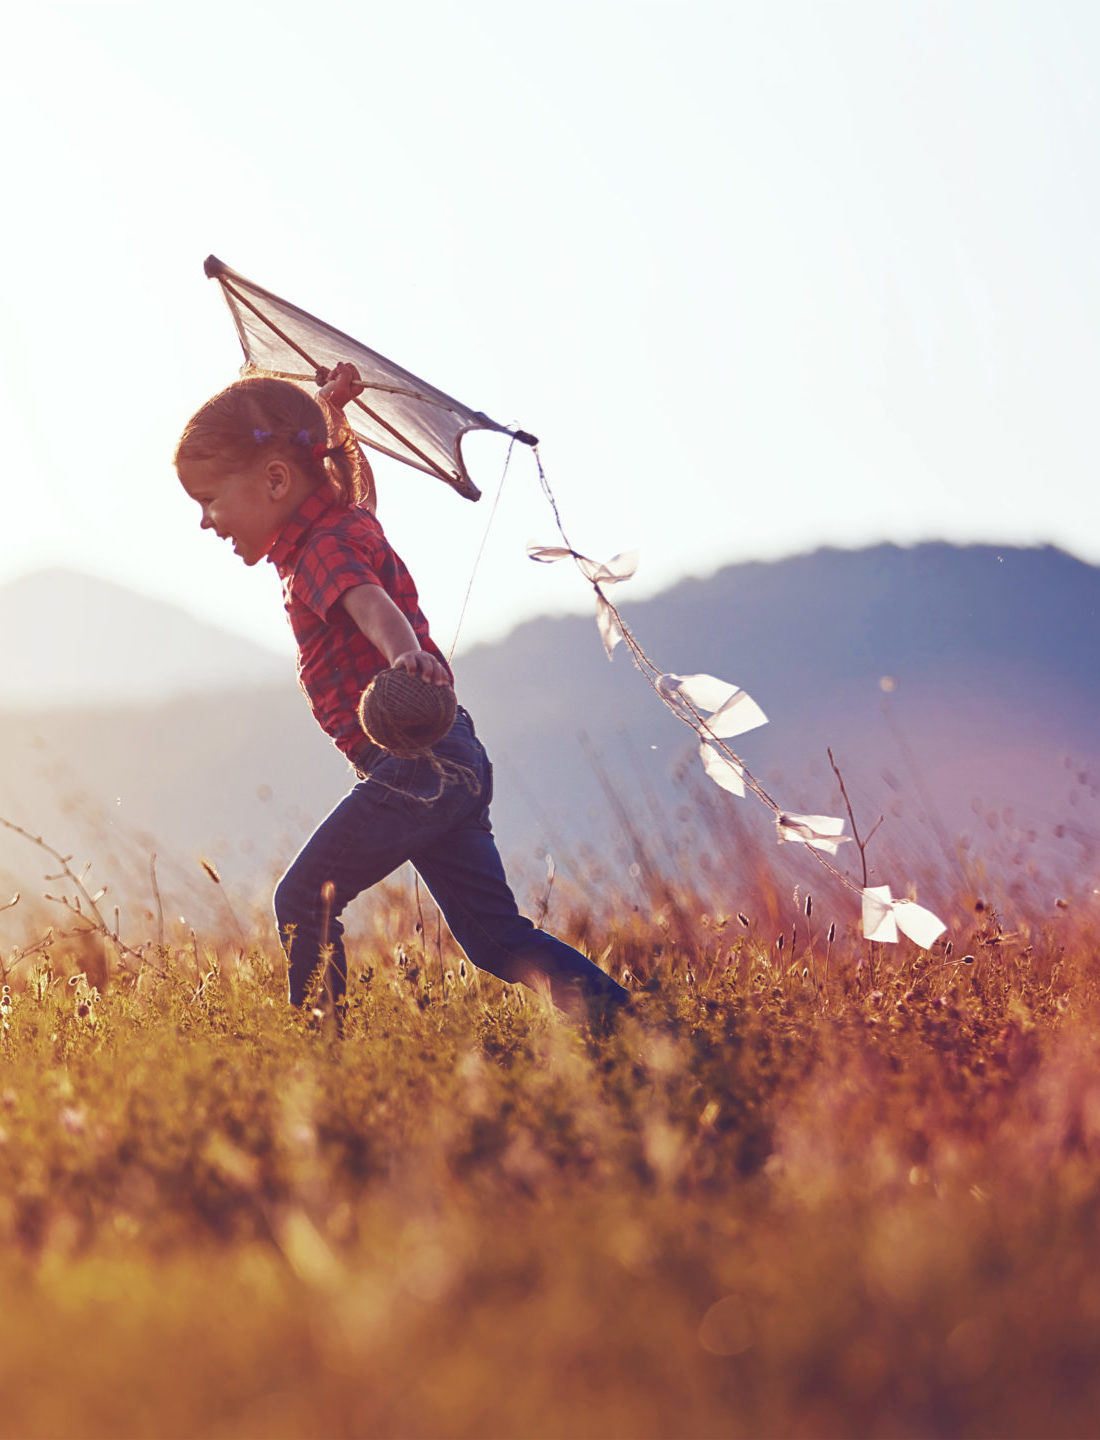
(396, 413)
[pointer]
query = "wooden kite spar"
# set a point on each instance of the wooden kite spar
(396, 413)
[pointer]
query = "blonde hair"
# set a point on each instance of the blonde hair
(279, 417)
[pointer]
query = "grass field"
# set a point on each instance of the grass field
(806, 1189)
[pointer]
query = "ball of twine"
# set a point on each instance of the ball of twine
(404, 714)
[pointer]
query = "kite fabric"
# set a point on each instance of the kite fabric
(397, 414)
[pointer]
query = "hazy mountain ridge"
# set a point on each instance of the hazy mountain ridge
(74, 639)
(990, 653)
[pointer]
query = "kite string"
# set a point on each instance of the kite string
(684, 710)
(551, 499)
(481, 549)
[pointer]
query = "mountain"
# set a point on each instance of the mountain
(72, 639)
(957, 686)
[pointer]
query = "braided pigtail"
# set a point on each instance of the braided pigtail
(348, 468)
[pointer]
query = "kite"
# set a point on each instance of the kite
(398, 414)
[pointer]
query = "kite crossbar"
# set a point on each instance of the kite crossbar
(378, 419)
(232, 284)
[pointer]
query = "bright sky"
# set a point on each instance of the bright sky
(762, 277)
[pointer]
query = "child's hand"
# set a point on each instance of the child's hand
(423, 664)
(342, 385)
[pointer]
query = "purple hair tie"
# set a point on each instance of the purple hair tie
(302, 438)
(261, 435)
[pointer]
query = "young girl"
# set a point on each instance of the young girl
(270, 478)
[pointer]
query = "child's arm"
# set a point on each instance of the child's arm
(368, 605)
(341, 387)
(387, 629)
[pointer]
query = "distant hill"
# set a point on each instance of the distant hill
(72, 639)
(989, 656)
(236, 777)
(986, 728)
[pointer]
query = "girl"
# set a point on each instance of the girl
(271, 478)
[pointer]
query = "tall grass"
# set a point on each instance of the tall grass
(805, 1189)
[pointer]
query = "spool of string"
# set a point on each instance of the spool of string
(404, 714)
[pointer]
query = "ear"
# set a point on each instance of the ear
(277, 478)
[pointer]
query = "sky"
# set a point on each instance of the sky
(762, 278)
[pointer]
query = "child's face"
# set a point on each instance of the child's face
(243, 506)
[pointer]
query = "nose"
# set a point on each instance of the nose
(206, 523)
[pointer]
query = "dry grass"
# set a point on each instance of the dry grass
(803, 1190)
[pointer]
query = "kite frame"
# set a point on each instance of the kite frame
(459, 479)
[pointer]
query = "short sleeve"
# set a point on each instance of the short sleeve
(329, 567)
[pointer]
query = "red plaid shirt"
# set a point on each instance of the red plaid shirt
(324, 550)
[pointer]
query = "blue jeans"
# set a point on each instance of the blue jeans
(405, 810)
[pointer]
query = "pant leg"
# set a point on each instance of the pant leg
(463, 870)
(352, 849)
(405, 810)
(403, 803)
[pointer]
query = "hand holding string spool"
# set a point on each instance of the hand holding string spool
(404, 714)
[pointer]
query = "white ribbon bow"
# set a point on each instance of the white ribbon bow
(600, 573)
(820, 832)
(884, 916)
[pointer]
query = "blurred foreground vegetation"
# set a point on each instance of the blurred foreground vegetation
(808, 1188)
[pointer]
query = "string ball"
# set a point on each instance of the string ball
(404, 714)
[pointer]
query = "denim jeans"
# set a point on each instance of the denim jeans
(404, 809)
